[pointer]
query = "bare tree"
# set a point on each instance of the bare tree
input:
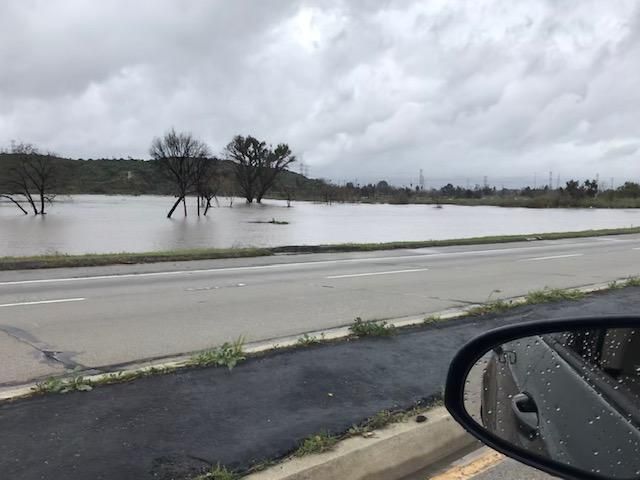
(256, 165)
(179, 154)
(206, 183)
(15, 202)
(32, 177)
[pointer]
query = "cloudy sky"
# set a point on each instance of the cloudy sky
(359, 89)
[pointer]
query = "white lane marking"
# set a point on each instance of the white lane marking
(42, 302)
(350, 275)
(551, 257)
(296, 264)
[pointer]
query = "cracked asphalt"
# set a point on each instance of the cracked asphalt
(174, 426)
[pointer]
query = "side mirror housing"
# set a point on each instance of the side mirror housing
(559, 395)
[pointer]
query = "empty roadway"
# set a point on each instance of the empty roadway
(93, 317)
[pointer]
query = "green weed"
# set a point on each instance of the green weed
(552, 295)
(614, 285)
(62, 385)
(307, 340)
(493, 306)
(361, 328)
(322, 442)
(632, 282)
(227, 355)
(219, 472)
(431, 319)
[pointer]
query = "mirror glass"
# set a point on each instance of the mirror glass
(573, 397)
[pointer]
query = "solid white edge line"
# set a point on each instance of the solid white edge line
(551, 257)
(43, 302)
(351, 275)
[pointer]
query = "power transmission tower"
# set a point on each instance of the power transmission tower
(421, 179)
(550, 180)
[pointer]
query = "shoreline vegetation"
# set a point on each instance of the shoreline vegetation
(65, 176)
(124, 258)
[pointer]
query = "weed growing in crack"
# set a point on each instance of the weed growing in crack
(227, 355)
(361, 328)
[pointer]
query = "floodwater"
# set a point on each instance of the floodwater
(101, 223)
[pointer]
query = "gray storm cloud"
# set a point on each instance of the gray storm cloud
(359, 89)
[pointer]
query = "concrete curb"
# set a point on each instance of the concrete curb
(253, 348)
(394, 452)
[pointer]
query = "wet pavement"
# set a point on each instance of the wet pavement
(176, 425)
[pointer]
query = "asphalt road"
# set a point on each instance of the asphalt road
(166, 427)
(52, 320)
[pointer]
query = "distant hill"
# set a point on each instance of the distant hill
(145, 177)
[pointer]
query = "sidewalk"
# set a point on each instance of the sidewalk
(176, 425)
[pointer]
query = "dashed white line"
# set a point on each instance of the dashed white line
(370, 274)
(42, 302)
(551, 257)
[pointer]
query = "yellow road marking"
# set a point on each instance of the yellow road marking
(469, 470)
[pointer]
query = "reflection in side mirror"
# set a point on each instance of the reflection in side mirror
(564, 399)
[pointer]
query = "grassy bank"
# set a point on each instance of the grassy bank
(515, 201)
(90, 260)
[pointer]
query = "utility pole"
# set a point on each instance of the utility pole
(535, 181)
(550, 180)
(485, 180)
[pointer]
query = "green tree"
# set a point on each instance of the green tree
(256, 165)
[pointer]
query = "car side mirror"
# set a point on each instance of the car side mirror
(560, 395)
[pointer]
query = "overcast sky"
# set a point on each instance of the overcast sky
(360, 89)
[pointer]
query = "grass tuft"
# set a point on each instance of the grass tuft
(101, 259)
(547, 295)
(493, 306)
(632, 282)
(431, 319)
(307, 340)
(360, 328)
(62, 385)
(319, 443)
(227, 355)
(219, 472)
(615, 285)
